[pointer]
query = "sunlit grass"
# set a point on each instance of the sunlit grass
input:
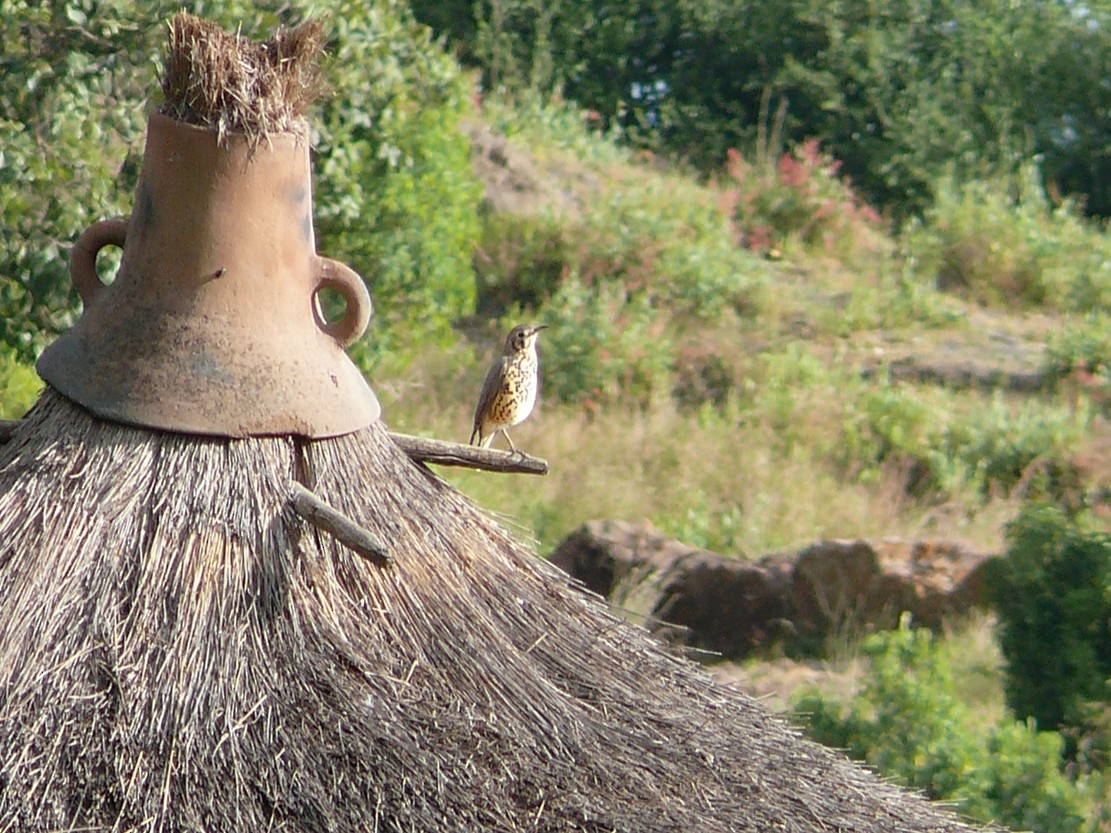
(967, 645)
(766, 471)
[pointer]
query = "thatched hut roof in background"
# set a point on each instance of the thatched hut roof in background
(180, 651)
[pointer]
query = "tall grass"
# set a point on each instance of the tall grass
(763, 471)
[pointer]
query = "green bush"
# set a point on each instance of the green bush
(1080, 345)
(908, 723)
(396, 198)
(521, 259)
(717, 531)
(991, 448)
(1001, 243)
(890, 426)
(1052, 593)
(603, 346)
(19, 386)
(998, 445)
(74, 79)
(797, 196)
(658, 234)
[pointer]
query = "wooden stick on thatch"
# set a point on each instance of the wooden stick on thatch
(338, 525)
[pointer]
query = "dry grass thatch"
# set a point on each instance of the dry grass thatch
(178, 651)
(230, 83)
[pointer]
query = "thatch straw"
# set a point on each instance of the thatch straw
(227, 82)
(179, 651)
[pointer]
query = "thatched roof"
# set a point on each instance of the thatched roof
(178, 651)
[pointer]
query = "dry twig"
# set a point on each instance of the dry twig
(424, 450)
(338, 525)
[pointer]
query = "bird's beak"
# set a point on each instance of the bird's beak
(539, 327)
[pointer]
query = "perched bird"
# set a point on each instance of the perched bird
(509, 392)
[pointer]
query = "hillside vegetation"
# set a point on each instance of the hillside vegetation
(809, 270)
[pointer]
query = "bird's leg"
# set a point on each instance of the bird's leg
(509, 440)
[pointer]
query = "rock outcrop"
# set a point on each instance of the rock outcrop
(735, 607)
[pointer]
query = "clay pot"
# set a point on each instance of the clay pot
(212, 324)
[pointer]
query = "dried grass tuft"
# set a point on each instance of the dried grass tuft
(230, 83)
(178, 651)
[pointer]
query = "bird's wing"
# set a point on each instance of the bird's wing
(490, 388)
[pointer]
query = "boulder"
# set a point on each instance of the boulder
(860, 585)
(698, 597)
(736, 607)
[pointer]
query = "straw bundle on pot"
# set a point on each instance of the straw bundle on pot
(181, 651)
(232, 84)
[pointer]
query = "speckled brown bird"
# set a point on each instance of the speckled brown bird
(509, 392)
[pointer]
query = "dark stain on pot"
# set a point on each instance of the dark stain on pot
(143, 217)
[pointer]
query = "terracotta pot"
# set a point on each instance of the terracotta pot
(212, 324)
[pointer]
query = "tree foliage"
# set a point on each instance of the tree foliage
(74, 78)
(396, 197)
(897, 91)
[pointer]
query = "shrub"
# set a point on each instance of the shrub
(908, 723)
(718, 531)
(65, 68)
(1001, 243)
(1052, 593)
(999, 446)
(990, 448)
(396, 198)
(658, 234)
(521, 260)
(1083, 346)
(603, 346)
(889, 426)
(19, 386)
(798, 195)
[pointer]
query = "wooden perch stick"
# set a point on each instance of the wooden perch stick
(338, 525)
(470, 456)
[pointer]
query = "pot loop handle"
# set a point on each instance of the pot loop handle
(82, 257)
(331, 274)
